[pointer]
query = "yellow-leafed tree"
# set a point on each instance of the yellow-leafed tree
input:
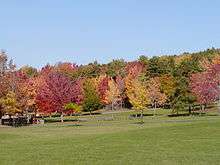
(137, 94)
(10, 104)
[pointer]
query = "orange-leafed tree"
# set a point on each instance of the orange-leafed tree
(113, 93)
(29, 90)
(66, 68)
(157, 98)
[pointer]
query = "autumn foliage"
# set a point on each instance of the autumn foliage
(57, 91)
(205, 85)
(157, 98)
(172, 81)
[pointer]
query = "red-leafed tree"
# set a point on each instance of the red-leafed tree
(205, 87)
(46, 70)
(102, 89)
(58, 91)
(214, 72)
(134, 68)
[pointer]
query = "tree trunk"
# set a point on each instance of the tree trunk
(193, 109)
(201, 109)
(142, 116)
(35, 117)
(77, 120)
(1, 114)
(219, 111)
(0, 117)
(155, 106)
(90, 112)
(204, 108)
(61, 117)
(190, 109)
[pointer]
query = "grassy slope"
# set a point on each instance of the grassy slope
(182, 140)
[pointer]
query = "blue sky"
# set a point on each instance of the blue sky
(42, 31)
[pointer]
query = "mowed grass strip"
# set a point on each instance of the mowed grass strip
(184, 140)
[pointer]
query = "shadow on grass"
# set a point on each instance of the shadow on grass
(93, 113)
(179, 115)
(74, 125)
(138, 123)
(213, 115)
(139, 115)
(192, 114)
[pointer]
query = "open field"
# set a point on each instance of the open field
(97, 140)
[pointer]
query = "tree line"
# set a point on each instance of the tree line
(171, 81)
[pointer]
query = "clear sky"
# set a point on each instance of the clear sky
(36, 32)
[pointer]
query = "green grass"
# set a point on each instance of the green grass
(160, 140)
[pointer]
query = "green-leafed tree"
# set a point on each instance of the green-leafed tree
(73, 108)
(29, 71)
(115, 68)
(88, 71)
(183, 97)
(91, 98)
(161, 65)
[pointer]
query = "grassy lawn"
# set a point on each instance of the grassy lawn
(160, 140)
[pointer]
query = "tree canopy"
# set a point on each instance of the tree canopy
(177, 81)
